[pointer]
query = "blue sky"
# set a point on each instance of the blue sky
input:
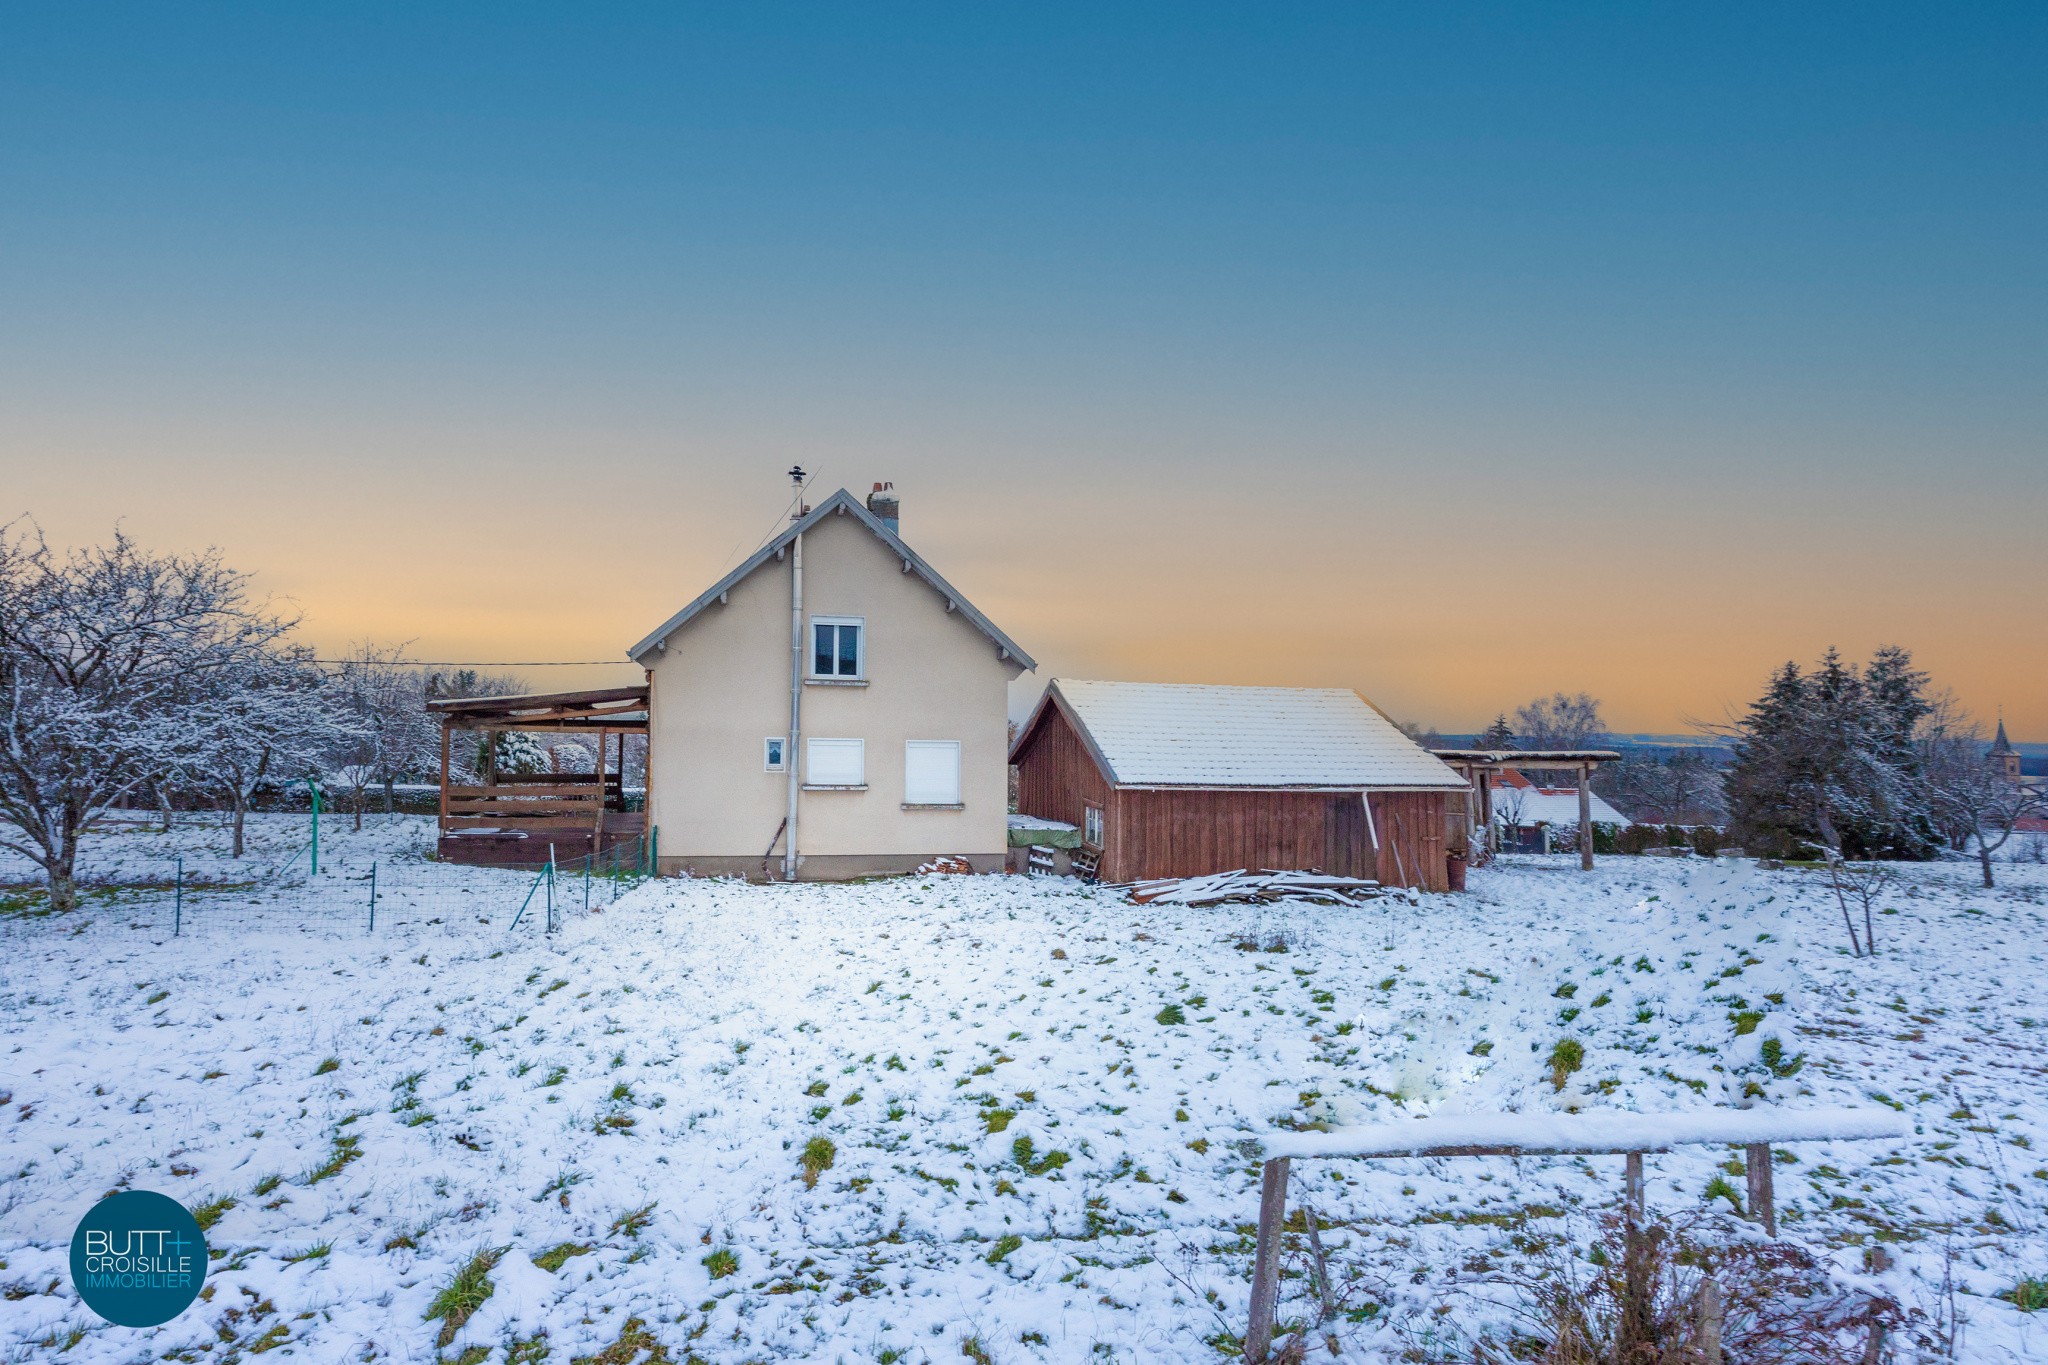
(1406, 316)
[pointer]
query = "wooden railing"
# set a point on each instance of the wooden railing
(1612, 1133)
(533, 801)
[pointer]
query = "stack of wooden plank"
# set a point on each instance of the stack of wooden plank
(1220, 888)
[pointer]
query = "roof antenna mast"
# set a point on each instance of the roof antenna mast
(797, 477)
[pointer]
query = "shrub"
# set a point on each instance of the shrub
(1637, 1298)
(1634, 839)
(1707, 840)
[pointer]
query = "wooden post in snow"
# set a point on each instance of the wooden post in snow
(1710, 1314)
(1586, 817)
(445, 726)
(1756, 1164)
(1258, 1338)
(1633, 1182)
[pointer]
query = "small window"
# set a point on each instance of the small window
(1091, 826)
(835, 762)
(838, 649)
(931, 772)
(773, 757)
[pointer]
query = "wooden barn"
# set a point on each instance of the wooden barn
(1172, 780)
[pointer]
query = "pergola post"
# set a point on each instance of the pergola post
(1586, 817)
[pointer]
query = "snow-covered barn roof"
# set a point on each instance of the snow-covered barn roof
(841, 502)
(1195, 735)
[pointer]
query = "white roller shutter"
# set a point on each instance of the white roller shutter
(835, 762)
(931, 772)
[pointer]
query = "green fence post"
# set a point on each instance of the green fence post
(313, 790)
(551, 888)
(178, 903)
(373, 898)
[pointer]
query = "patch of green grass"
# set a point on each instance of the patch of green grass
(557, 1256)
(347, 1147)
(266, 1185)
(1719, 1188)
(976, 1352)
(331, 1064)
(209, 1213)
(1745, 1021)
(635, 1346)
(816, 1089)
(1025, 1153)
(1566, 1057)
(1781, 1066)
(2029, 1295)
(1005, 1244)
(722, 1263)
(462, 1296)
(996, 1120)
(316, 1252)
(818, 1156)
(1172, 1014)
(633, 1222)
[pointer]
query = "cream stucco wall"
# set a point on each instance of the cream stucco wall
(722, 686)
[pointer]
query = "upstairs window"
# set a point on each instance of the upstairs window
(838, 647)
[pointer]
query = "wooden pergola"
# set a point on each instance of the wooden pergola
(530, 817)
(1477, 767)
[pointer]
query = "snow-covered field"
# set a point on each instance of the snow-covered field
(631, 1101)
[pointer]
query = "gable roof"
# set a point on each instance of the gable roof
(840, 502)
(1196, 735)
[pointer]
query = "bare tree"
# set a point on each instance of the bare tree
(1560, 722)
(398, 735)
(1970, 800)
(274, 718)
(98, 648)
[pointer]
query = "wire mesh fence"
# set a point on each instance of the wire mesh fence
(343, 888)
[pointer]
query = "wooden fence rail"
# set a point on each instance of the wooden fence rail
(1614, 1133)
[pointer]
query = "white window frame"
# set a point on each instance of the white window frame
(929, 798)
(859, 749)
(771, 745)
(860, 649)
(1092, 815)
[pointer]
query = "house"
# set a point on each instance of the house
(1171, 780)
(1525, 813)
(831, 708)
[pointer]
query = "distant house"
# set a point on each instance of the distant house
(1171, 780)
(831, 708)
(1525, 813)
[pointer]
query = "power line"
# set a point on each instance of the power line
(490, 663)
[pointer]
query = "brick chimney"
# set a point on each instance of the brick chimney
(882, 502)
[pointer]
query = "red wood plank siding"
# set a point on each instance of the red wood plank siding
(1411, 828)
(1056, 776)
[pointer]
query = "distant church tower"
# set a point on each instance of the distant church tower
(2004, 755)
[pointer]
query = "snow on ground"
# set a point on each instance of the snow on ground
(1034, 1094)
